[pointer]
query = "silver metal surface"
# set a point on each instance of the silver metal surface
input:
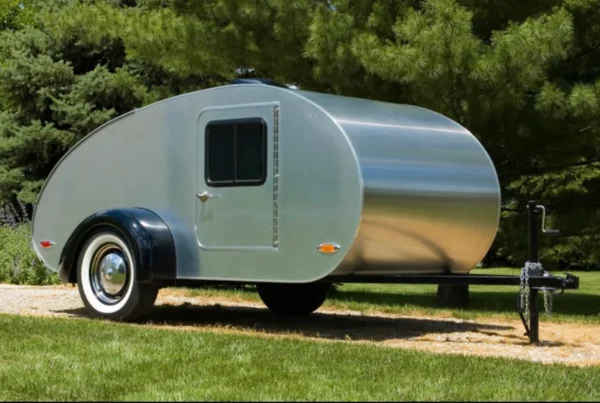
(113, 273)
(431, 193)
(242, 216)
(109, 276)
(400, 188)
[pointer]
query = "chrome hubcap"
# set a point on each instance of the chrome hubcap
(109, 274)
(113, 272)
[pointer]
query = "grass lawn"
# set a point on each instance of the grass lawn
(493, 302)
(81, 359)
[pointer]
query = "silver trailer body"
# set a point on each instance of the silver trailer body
(400, 189)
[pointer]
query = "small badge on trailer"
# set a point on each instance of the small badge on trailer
(328, 248)
(46, 244)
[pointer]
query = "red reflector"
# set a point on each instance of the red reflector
(46, 244)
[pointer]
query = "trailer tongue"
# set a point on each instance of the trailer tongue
(532, 279)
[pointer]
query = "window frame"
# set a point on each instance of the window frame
(263, 159)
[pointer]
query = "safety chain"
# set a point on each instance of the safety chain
(525, 294)
(548, 302)
(525, 290)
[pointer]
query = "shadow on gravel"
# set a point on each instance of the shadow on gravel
(319, 325)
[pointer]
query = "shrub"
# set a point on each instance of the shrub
(18, 262)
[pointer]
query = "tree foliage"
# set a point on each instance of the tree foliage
(522, 76)
(15, 14)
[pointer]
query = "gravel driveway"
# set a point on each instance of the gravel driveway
(572, 344)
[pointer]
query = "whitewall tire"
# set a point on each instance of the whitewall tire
(106, 278)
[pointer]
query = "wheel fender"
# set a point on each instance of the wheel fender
(151, 242)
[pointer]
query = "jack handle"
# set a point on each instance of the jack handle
(544, 230)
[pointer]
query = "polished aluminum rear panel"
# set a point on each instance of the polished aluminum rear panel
(431, 192)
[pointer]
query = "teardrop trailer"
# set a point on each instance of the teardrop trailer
(287, 189)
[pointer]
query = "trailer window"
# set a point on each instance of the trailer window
(236, 152)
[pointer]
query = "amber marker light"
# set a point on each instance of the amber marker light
(328, 248)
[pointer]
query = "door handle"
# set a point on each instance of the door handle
(204, 196)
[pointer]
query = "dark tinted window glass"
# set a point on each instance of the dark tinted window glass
(236, 152)
(250, 146)
(220, 153)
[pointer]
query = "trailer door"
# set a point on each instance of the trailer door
(236, 194)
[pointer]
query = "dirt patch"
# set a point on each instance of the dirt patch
(571, 344)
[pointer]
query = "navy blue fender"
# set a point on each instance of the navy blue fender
(150, 238)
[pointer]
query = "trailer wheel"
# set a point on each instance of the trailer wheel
(106, 274)
(293, 299)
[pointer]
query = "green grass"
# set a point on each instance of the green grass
(492, 302)
(80, 359)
